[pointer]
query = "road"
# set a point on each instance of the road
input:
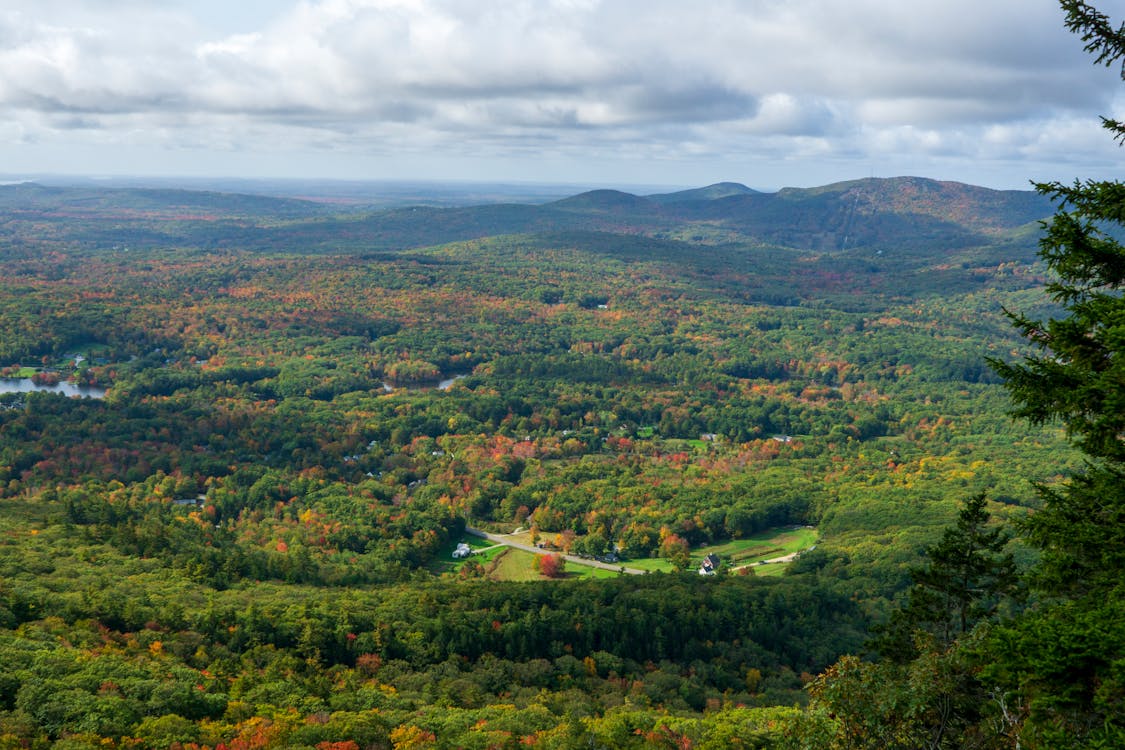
(508, 542)
(783, 559)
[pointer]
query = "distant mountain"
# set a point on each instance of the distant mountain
(968, 205)
(709, 193)
(896, 217)
(612, 201)
(78, 202)
(902, 213)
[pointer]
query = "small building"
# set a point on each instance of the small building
(463, 550)
(613, 556)
(190, 502)
(709, 565)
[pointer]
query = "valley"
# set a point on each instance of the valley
(247, 541)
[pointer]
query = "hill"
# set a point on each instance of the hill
(709, 193)
(146, 203)
(875, 214)
(910, 219)
(598, 201)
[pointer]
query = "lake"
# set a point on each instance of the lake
(24, 385)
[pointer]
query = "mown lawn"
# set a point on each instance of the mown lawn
(514, 565)
(481, 553)
(738, 552)
(508, 564)
(655, 564)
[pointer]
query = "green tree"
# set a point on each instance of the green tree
(924, 693)
(966, 576)
(1057, 668)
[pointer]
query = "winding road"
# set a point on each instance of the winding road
(507, 541)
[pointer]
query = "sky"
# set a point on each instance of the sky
(769, 93)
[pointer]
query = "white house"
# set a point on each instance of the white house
(709, 566)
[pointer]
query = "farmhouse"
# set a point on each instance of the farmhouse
(462, 551)
(710, 565)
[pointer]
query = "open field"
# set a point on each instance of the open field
(586, 571)
(513, 565)
(484, 552)
(517, 565)
(764, 546)
(654, 564)
(741, 552)
(775, 569)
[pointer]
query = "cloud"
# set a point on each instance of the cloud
(604, 78)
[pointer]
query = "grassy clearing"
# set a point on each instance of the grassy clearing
(655, 564)
(508, 564)
(769, 571)
(484, 552)
(513, 565)
(487, 555)
(23, 372)
(737, 552)
(517, 565)
(574, 570)
(776, 543)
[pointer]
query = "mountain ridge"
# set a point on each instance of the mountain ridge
(874, 214)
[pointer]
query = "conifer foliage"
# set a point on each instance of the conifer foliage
(925, 692)
(966, 577)
(1058, 667)
(1052, 675)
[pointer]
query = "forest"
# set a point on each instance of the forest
(242, 536)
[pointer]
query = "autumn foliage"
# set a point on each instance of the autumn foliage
(550, 566)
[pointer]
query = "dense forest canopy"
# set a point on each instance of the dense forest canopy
(245, 535)
(247, 541)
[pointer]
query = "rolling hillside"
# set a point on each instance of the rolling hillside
(901, 215)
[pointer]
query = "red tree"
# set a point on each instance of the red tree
(551, 566)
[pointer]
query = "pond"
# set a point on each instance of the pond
(423, 385)
(24, 385)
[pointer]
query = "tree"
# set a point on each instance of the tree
(924, 693)
(1078, 376)
(965, 577)
(676, 550)
(551, 566)
(1057, 668)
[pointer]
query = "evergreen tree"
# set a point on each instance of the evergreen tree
(925, 692)
(1058, 668)
(965, 578)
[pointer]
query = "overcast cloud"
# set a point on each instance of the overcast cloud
(765, 92)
